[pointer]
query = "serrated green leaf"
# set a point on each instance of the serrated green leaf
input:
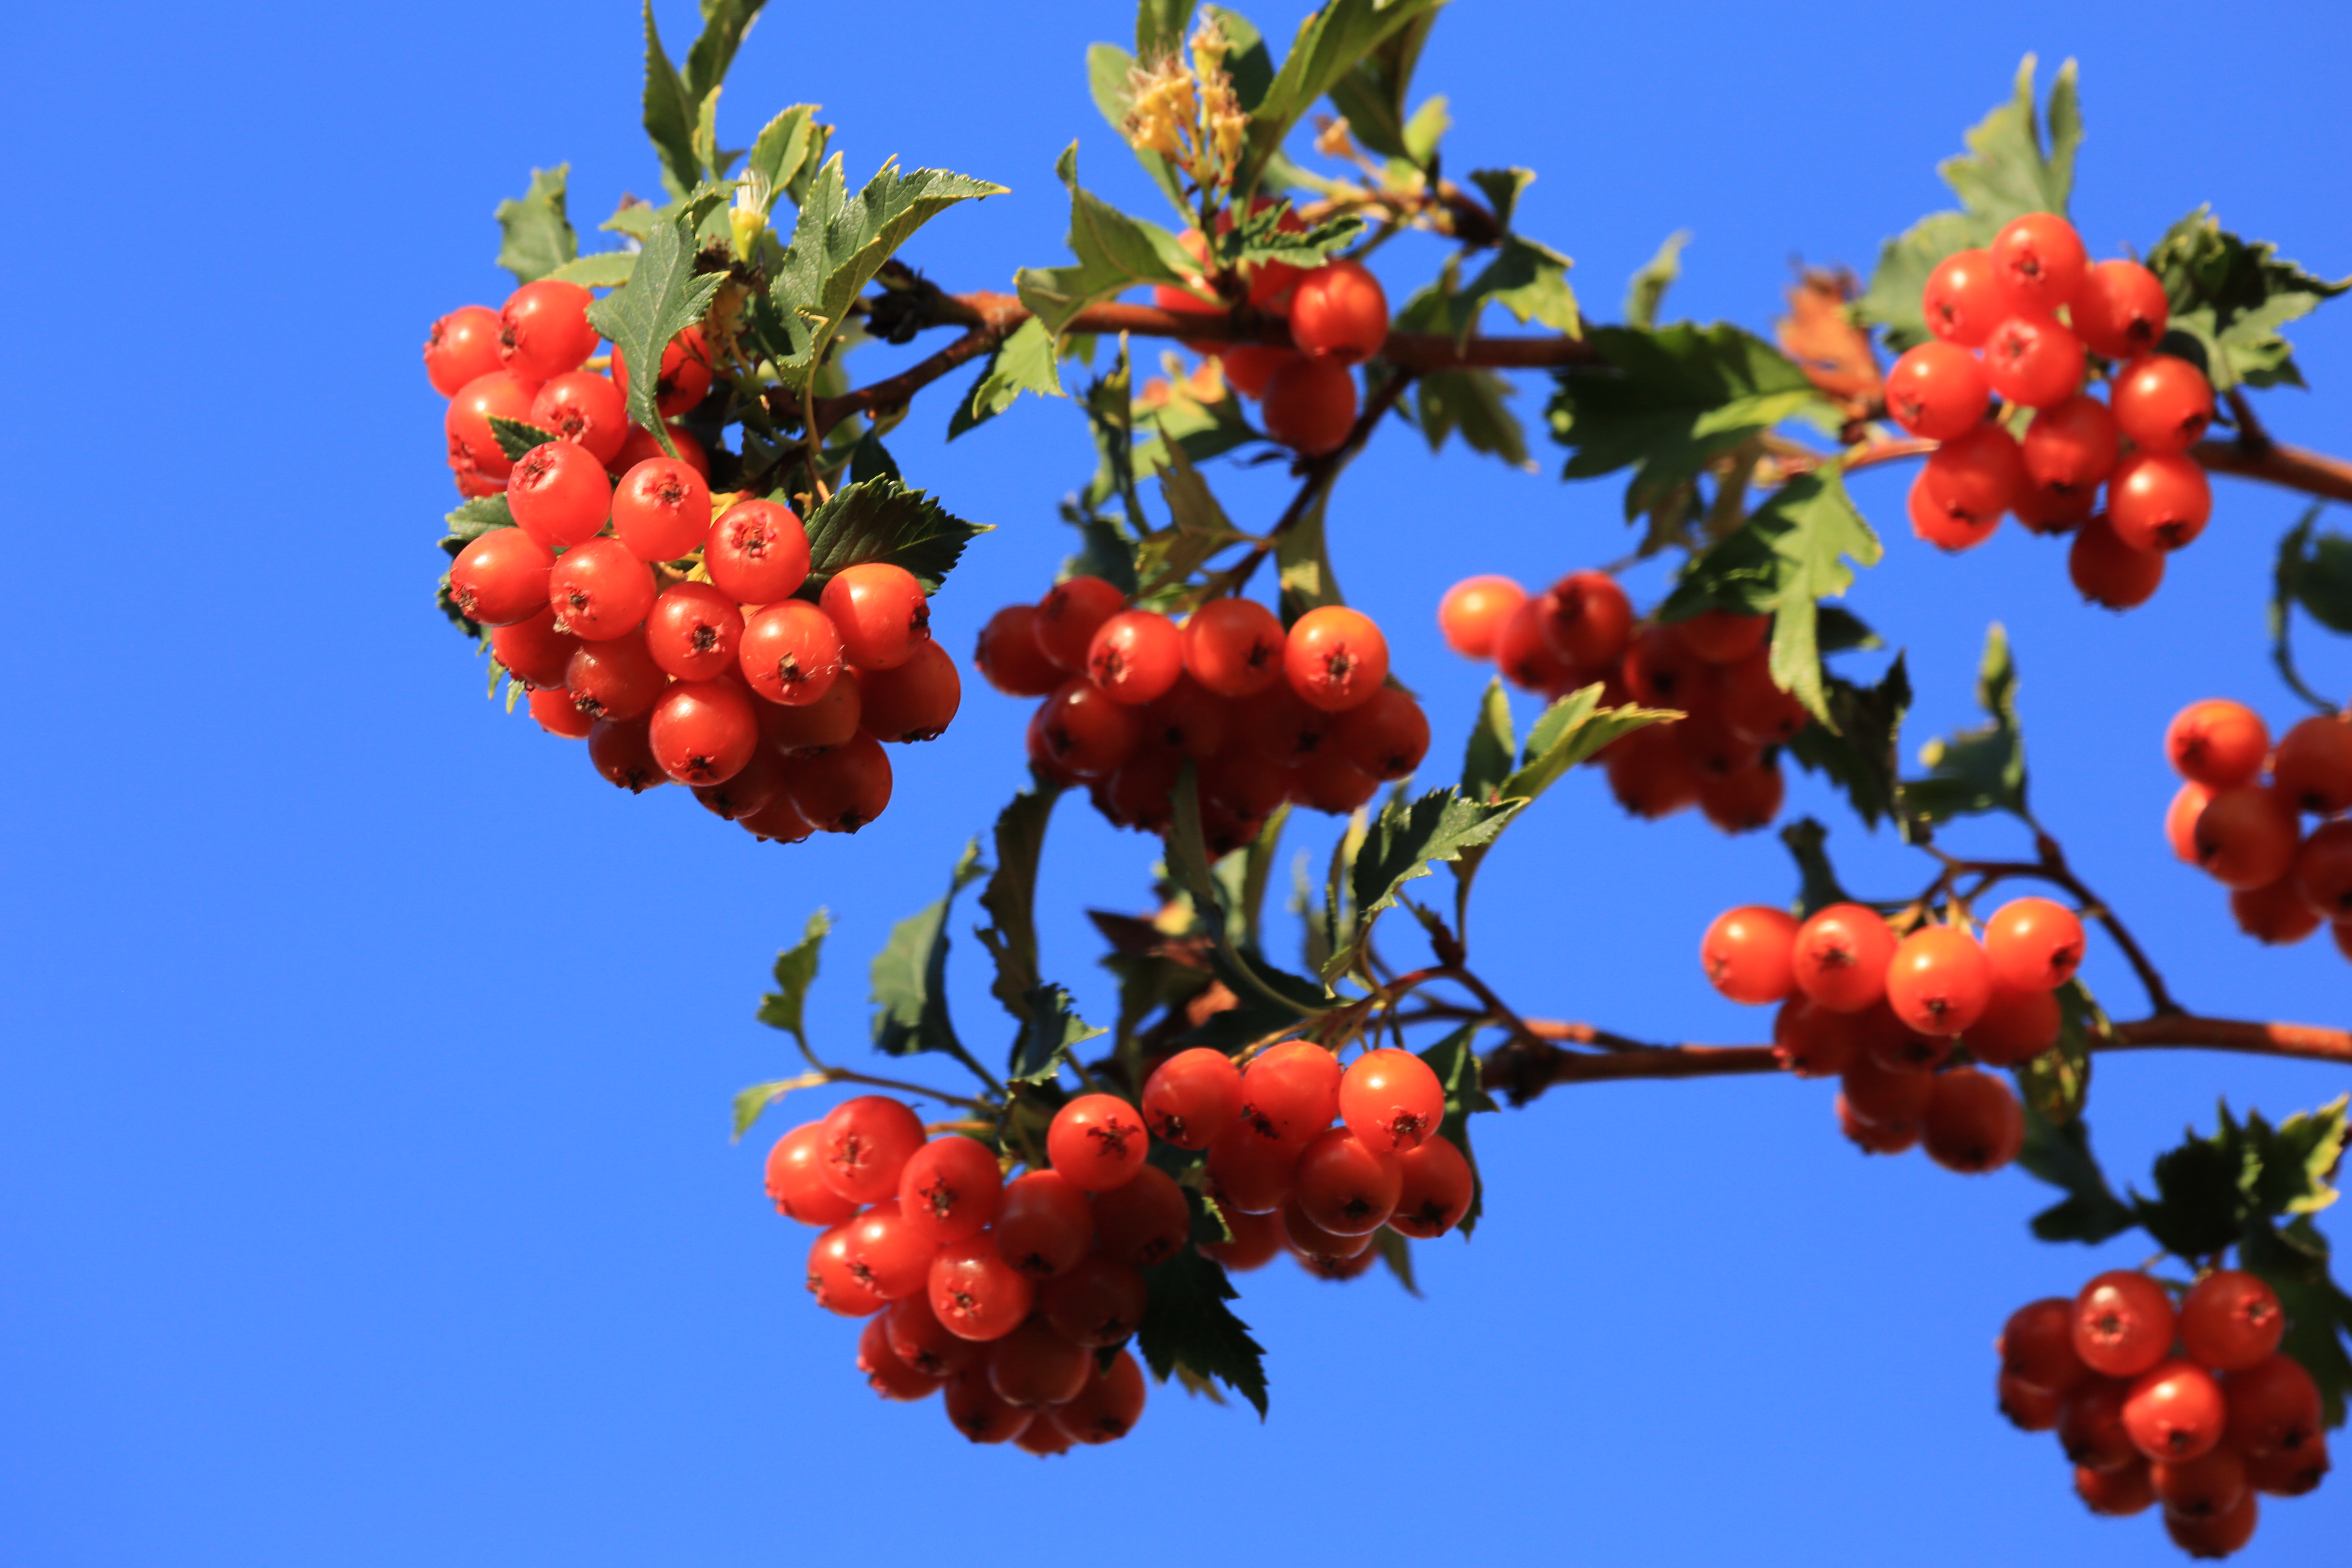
(2061, 1155)
(1011, 897)
(1024, 361)
(1529, 279)
(1371, 94)
(1488, 760)
(1260, 237)
(724, 23)
(1397, 1253)
(669, 114)
(1041, 1049)
(516, 436)
(2290, 1166)
(1471, 402)
(1840, 630)
(1402, 844)
(1977, 770)
(663, 297)
(1204, 431)
(476, 516)
(1330, 44)
(1647, 289)
(1817, 881)
(784, 151)
(603, 269)
(1302, 559)
(1458, 1068)
(796, 972)
(1856, 749)
(538, 236)
(2228, 298)
(909, 974)
(2058, 1082)
(1115, 252)
(1502, 188)
(1187, 1324)
(2197, 1210)
(882, 520)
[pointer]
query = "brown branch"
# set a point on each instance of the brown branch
(2183, 1031)
(2289, 467)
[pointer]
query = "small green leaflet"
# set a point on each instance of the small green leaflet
(2228, 297)
(1052, 1026)
(1188, 1325)
(2315, 573)
(476, 517)
(1330, 44)
(2056, 1082)
(2061, 1155)
(1023, 363)
(663, 297)
(1817, 881)
(1647, 289)
(669, 114)
(1856, 749)
(2209, 1189)
(796, 972)
(1528, 279)
(1401, 843)
(1458, 1071)
(1373, 92)
(1487, 761)
(909, 976)
(1471, 402)
(1011, 897)
(1261, 237)
(1114, 251)
(2005, 172)
(516, 436)
(1977, 770)
(780, 153)
(538, 236)
(724, 23)
(881, 519)
(603, 269)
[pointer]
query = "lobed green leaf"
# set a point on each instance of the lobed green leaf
(1115, 252)
(1977, 770)
(2228, 297)
(538, 237)
(1187, 1326)
(909, 974)
(796, 972)
(880, 519)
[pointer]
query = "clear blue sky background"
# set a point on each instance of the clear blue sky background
(365, 1195)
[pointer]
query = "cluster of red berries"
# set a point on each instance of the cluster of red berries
(1264, 715)
(2191, 1406)
(2247, 834)
(670, 630)
(1339, 316)
(1887, 1015)
(1017, 1297)
(1722, 756)
(2030, 305)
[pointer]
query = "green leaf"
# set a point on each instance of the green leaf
(724, 23)
(1977, 770)
(2288, 1168)
(1667, 402)
(2294, 1262)
(475, 518)
(1487, 762)
(1247, 59)
(603, 269)
(1529, 279)
(882, 520)
(1371, 94)
(1397, 1253)
(1187, 1325)
(663, 297)
(1159, 26)
(669, 114)
(2228, 297)
(1107, 68)
(1260, 237)
(538, 236)
(1330, 44)
(2056, 1082)
(782, 150)
(1841, 630)
(1647, 291)
(751, 1103)
(1011, 897)
(1402, 844)
(1457, 1066)
(1164, 560)
(1052, 1026)
(1471, 401)
(796, 972)
(1856, 751)
(1817, 881)
(909, 974)
(1302, 559)
(516, 436)
(1791, 553)
(1114, 251)
(1502, 187)
(2197, 1210)
(2061, 1155)
(1023, 363)
(2318, 575)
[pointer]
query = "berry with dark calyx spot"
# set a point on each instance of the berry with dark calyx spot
(704, 732)
(2038, 262)
(1977, 473)
(1753, 705)
(832, 1279)
(1587, 620)
(950, 1188)
(2277, 913)
(2312, 766)
(1136, 656)
(1291, 1091)
(980, 1414)
(543, 331)
(753, 788)
(2033, 943)
(1974, 1124)
(582, 409)
(1937, 390)
(1008, 657)
(2323, 870)
(1339, 1269)
(616, 679)
(1110, 1405)
(2159, 500)
(1651, 775)
(1942, 527)
(2016, 1026)
(1472, 614)
(779, 821)
(2109, 570)
(2069, 452)
(1251, 1171)
(796, 1183)
(1435, 1189)
(2122, 1323)
(2120, 311)
(1874, 1137)
(2217, 743)
(661, 510)
(1523, 647)
(975, 1293)
(502, 577)
(1745, 800)
(694, 632)
(2118, 1493)
(1811, 1041)
(559, 494)
(2090, 1425)
(886, 1374)
(1891, 1097)
(1088, 734)
(1660, 672)
(2273, 1407)
(916, 1337)
(1841, 955)
(813, 729)
(1315, 1243)
(1189, 719)
(622, 751)
(1336, 659)
(2245, 836)
(639, 445)
(1386, 737)
(1098, 1142)
(1328, 781)
(864, 1144)
(532, 651)
(1192, 1098)
(2164, 403)
(880, 611)
(600, 591)
(2284, 1472)
(1721, 637)
(2029, 1409)
(2037, 1345)
(1961, 301)
(2052, 510)
(1143, 1220)
(1347, 1184)
(462, 345)
(914, 702)
(684, 377)
(844, 788)
(473, 447)
(1066, 618)
(2034, 362)
(1391, 1100)
(2222, 1535)
(1097, 1302)
(887, 1255)
(1043, 1224)
(1034, 1366)
(1257, 1241)
(1235, 647)
(2206, 1487)
(790, 653)
(757, 552)
(1939, 982)
(553, 708)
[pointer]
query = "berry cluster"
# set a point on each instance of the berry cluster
(1339, 316)
(1889, 1016)
(1264, 715)
(1017, 1297)
(2190, 1406)
(2248, 835)
(1722, 757)
(2012, 321)
(678, 633)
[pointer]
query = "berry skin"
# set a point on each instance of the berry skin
(1524, 651)
(1961, 301)
(1067, 618)
(796, 1183)
(1034, 1366)
(1257, 1240)
(2114, 1494)
(1977, 473)
(916, 1337)
(1312, 1243)
(975, 1293)
(2016, 1026)
(1385, 738)
(1249, 367)
(917, 701)
(1811, 1041)
(1875, 1137)
(462, 345)
(2174, 1411)
(543, 331)
(2217, 743)
(685, 375)
(1189, 720)
(1328, 781)
(502, 577)
(1340, 312)
(2323, 870)
(1098, 1142)
(976, 1410)
(1235, 647)
(790, 653)
(2158, 501)
(2284, 1472)
(2313, 768)
(1192, 1098)
(614, 680)
(881, 613)
(1749, 954)
(1391, 1100)
(844, 788)
(778, 822)
(2222, 1536)
(1891, 1097)
(2163, 404)
(2230, 1322)
(1310, 406)
(1088, 734)
(864, 1144)
(2051, 512)
(1744, 800)
(1435, 1191)
(703, 732)
(1043, 1224)
(2122, 1323)
(1471, 616)
(1937, 390)
(661, 510)
(582, 409)
(886, 1374)
(2208, 1487)
(552, 706)
(2090, 1425)
(2180, 820)
(1939, 525)
(1756, 707)
(2033, 944)
(1660, 672)
(1335, 658)
(2108, 571)
(813, 729)
(950, 1189)
(1250, 1172)
(1008, 658)
(2273, 1407)
(1291, 1092)
(2120, 311)
(1721, 637)
(2029, 1409)
(2034, 362)
(2245, 837)
(534, 651)
(1939, 982)
(1587, 620)
(2038, 263)
(757, 552)
(751, 789)
(694, 632)
(1099, 1302)
(1841, 957)
(1111, 1404)
(600, 591)
(559, 494)
(2277, 914)
(473, 449)
(1974, 1124)
(887, 1256)
(2037, 1346)
(834, 1281)
(2069, 452)
(639, 445)
(1136, 656)
(1143, 1221)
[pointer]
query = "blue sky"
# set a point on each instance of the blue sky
(364, 1184)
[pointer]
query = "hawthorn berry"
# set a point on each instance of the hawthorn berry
(886, 1374)
(1136, 656)
(1008, 657)
(543, 331)
(1753, 705)
(703, 732)
(2122, 1323)
(834, 1281)
(473, 447)
(1387, 737)
(2174, 1411)
(2118, 1493)
(1278, 724)
(1043, 1224)
(2029, 1409)
(864, 1144)
(1470, 615)
(779, 821)
(2069, 452)
(1339, 1269)
(1310, 406)
(2273, 1407)
(795, 1180)
(2109, 571)
(2038, 263)
(532, 651)
(843, 788)
(2217, 743)
(975, 1293)
(552, 707)
(1340, 312)
(1098, 1142)
(1434, 1189)
(1887, 1096)
(1840, 957)
(1141, 794)
(950, 1189)
(1720, 635)
(916, 1337)
(1235, 647)
(880, 611)
(2017, 1025)
(887, 1256)
(1192, 1098)
(1712, 746)
(2289, 1472)
(2037, 1345)
(2120, 311)
(1939, 982)
(2323, 870)
(2158, 501)
(2163, 403)
(1874, 1137)
(1313, 1243)
(1067, 618)
(583, 409)
(1143, 1220)
(1088, 734)
(1248, 784)
(600, 591)
(502, 577)
(684, 377)
(1328, 781)
(1962, 301)
(1812, 1041)
(1107, 1408)
(2313, 767)
(1937, 390)
(1746, 799)
(1034, 1366)
(614, 680)
(559, 494)
(1894, 1044)
(661, 511)
(639, 445)
(1391, 1100)
(1977, 473)
(1256, 1238)
(756, 554)
(1291, 1091)
(2090, 1425)
(1249, 367)
(749, 790)
(1523, 651)
(1949, 531)
(694, 632)
(1335, 658)
(2034, 361)
(1749, 954)
(1974, 1124)
(790, 653)
(2049, 511)
(2206, 1487)
(2246, 836)
(1252, 1171)
(2230, 1322)
(1189, 719)
(2188, 803)
(462, 345)
(2277, 914)
(1659, 672)
(1588, 622)
(1099, 1302)
(1651, 775)
(914, 702)
(980, 1414)
(2033, 944)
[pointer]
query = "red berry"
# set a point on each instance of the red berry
(1141, 794)
(1097, 1302)
(1312, 1243)
(2050, 511)
(1043, 1225)
(543, 331)
(1939, 982)
(1008, 657)
(1067, 618)
(1977, 473)
(462, 345)
(2217, 743)
(1940, 526)
(685, 375)
(2174, 1411)
(1107, 1408)
(662, 512)
(2277, 914)
(2122, 1323)
(1587, 620)
(1258, 1238)
(2163, 404)
(2313, 768)
(813, 729)
(975, 1293)
(1034, 1366)
(1235, 647)
(1755, 706)
(1651, 775)
(1471, 616)
(2210, 1487)
(534, 651)
(559, 494)
(832, 1281)
(2037, 1345)
(777, 822)
(473, 449)
(639, 445)
(2120, 311)
(916, 1337)
(1891, 1097)
(2034, 362)
(1721, 637)
(1744, 799)
(844, 788)
(2118, 1493)
(1189, 719)
(502, 577)
(1136, 656)
(617, 679)
(2016, 1026)
(1841, 955)
(886, 1374)
(790, 653)
(1974, 1124)
(1661, 673)
(1192, 1098)
(864, 1145)
(2290, 1472)
(1391, 1100)
(1811, 1041)
(1523, 647)
(1335, 658)
(2323, 870)
(1347, 1184)
(1435, 1191)
(2070, 450)
(950, 1188)
(749, 790)
(1098, 1142)
(2090, 1425)
(881, 612)
(582, 409)
(2246, 836)
(1143, 1221)
(2230, 1322)
(1328, 781)
(1291, 1091)
(757, 552)
(1251, 1168)
(600, 591)
(2033, 944)
(1749, 954)
(1310, 406)
(2273, 1407)
(2180, 820)
(552, 707)
(917, 701)
(703, 732)
(887, 1256)
(980, 1414)
(1875, 1137)
(2158, 501)
(1937, 390)
(1249, 367)
(796, 1183)
(1338, 311)
(1961, 301)
(694, 632)
(2029, 1409)
(2109, 572)
(1088, 734)
(2038, 262)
